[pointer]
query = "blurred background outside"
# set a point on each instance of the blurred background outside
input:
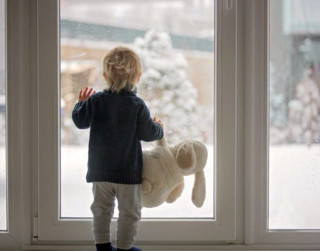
(294, 81)
(175, 40)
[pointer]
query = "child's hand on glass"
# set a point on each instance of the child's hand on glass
(158, 122)
(85, 95)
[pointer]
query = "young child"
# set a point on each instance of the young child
(118, 120)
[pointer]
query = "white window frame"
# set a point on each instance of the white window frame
(18, 123)
(50, 228)
(257, 139)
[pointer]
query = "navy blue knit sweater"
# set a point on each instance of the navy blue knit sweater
(117, 124)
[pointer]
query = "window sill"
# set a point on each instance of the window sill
(191, 247)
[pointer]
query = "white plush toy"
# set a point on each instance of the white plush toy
(163, 170)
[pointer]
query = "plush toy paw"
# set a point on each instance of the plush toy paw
(146, 186)
(175, 193)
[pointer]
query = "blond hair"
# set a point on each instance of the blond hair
(121, 68)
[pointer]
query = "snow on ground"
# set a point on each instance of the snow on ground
(294, 188)
(77, 196)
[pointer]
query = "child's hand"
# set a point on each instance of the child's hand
(158, 122)
(85, 95)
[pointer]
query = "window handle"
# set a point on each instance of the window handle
(229, 4)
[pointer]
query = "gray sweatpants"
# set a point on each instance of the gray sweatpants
(129, 205)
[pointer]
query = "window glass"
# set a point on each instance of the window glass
(294, 135)
(175, 40)
(3, 157)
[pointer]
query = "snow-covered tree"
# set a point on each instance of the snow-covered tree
(2, 119)
(277, 103)
(278, 118)
(2, 130)
(165, 86)
(304, 119)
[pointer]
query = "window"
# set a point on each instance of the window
(81, 52)
(178, 87)
(3, 155)
(294, 82)
(265, 56)
(252, 38)
(276, 164)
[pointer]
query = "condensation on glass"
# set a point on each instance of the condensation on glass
(294, 134)
(175, 40)
(3, 165)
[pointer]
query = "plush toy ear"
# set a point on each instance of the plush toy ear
(199, 189)
(186, 157)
